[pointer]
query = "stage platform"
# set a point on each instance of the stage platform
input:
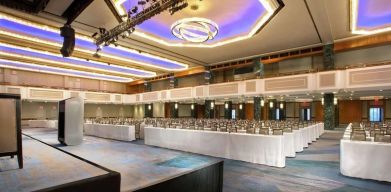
(48, 169)
(141, 167)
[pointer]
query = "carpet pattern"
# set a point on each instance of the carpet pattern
(314, 169)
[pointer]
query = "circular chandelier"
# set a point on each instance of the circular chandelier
(195, 30)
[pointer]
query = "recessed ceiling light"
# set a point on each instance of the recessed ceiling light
(381, 90)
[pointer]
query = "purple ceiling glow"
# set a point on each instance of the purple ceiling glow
(236, 20)
(370, 16)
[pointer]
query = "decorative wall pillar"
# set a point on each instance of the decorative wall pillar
(228, 110)
(328, 57)
(259, 68)
(241, 111)
(336, 111)
(208, 76)
(173, 82)
(147, 86)
(148, 110)
(329, 111)
(272, 105)
(174, 110)
(282, 111)
(257, 108)
(209, 109)
(193, 108)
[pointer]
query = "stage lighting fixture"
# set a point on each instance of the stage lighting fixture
(106, 37)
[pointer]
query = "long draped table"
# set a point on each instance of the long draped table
(365, 159)
(117, 132)
(43, 124)
(261, 149)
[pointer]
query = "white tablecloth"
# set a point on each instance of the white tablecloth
(118, 132)
(261, 149)
(43, 124)
(289, 144)
(366, 159)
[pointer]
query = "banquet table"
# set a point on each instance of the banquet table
(117, 132)
(255, 148)
(365, 159)
(261, 149)
(43, 124)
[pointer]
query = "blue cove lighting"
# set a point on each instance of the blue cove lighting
(73, 61)
(54, 70)
(129, 55)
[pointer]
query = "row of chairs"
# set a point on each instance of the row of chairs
(246, 126)
(360, 131)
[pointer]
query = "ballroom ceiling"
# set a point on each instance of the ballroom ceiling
(269, 26)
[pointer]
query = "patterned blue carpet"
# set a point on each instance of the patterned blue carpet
(315, 169)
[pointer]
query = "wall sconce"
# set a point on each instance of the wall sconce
(212, 105)
(281, 105)
(271, 104)
(226, 105)
(322, 101)
(149, 107)
(176, 105)
(262, 102)
(192, 106)
(335, 101)
(240, 106)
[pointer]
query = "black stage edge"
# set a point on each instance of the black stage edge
(103, 183)
(108, 182)
(206, 179)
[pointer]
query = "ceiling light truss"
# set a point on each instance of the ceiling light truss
(107, 37)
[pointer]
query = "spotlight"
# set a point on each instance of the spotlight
(134, 10)
(94, 35)
(125, 34)
(115, 39)
(96, 55)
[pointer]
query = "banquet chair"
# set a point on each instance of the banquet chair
(264, 131)
(382, 138)
(278, 131)
(250, 131)
(287, 130)
(357, 136)
(388, 131)
(374, 132)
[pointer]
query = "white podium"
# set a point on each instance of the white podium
(71, 121)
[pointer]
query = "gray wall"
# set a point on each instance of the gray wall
(107, 110)
(158, 110)
(184, 110)
(39, 110)
(363, 56)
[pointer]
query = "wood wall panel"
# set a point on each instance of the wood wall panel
(318, 111)
(200, 111)
(350, 111)
(249, 109)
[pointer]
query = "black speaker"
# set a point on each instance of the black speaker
(69, 40)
